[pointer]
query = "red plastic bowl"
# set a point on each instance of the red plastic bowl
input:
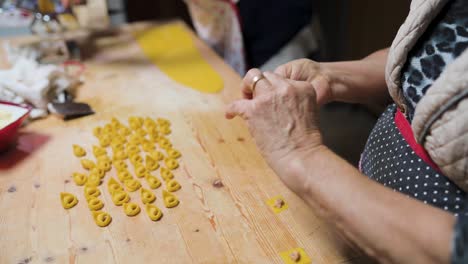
(9, 133)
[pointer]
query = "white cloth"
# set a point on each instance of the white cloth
(27, 81)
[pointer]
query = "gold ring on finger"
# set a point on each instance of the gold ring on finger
(256, 79)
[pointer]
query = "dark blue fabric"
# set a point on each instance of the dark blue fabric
(267, 25)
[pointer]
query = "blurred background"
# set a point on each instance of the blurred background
(273, 32)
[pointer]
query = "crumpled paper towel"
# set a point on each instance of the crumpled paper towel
(28, 81)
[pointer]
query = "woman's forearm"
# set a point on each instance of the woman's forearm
(386, 224)
(360, 81)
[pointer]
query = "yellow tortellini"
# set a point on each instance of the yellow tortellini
(171, 163)
(105, 141)
(79, 178)
(95, 204)
(79, 151)
(87, 164)
(120, 165)
(131, 209)
(164, 143)
(136, 159)
(163, 122)
(68, 200)
(166, 130)
(124, 175)
(166, 174)
(99, 152)
(156, 155)
(170, 200)
(132, 185)
(104, 165)
(97, 131)
(172, 153)
(91, 192)
(120, 197)
(151, 164)
(98, 171)
(102, 219)
(143, 137)
(113, 186)
(140, 171)
(173, 185)
(132, 149)
(147, 196)
(153, 182)
(120, 155)
(93, 180)
(153, 212)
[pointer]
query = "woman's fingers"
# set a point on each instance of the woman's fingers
(254, 79)
(240, 108)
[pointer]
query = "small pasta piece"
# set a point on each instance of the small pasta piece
(164, 143)
(79, 178)
(131, 209)
(148, 146)
(166, 130)
(120, 165)
(95, 204)
(93, 180)
(148, 123)
(156, 155)
(132, 149)
(102, 219)
(113, 186)
(120, 155)
(97, 132)
(163, 122)
(141, 132)
(105, 140)
(147, 196)
(153, 212)
(170, 200)
(132, 185)
(117, 145)
(87, 164)
(140, 171)
(98, 171)
(136, 159)
(79, 151)
(173, 153)
(68, 200)
(124, 175)
(98, 151)
(171, 163)
(120, 197)
(91, 192)
(108, 129)
(173, 185)
(166, 174)
(104, 165)
(151, 164)
(115, 122)
(152, 181)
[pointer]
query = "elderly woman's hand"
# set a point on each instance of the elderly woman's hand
(282, 118)
(309, 71)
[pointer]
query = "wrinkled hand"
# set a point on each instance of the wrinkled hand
(282, 117)
(309, 71)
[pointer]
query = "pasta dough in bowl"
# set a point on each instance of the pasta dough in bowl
(11, 118)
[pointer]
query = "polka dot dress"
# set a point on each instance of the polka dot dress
(388, 159)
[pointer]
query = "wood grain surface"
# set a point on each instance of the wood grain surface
(212, 224)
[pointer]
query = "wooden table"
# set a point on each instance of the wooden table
(228, 224)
